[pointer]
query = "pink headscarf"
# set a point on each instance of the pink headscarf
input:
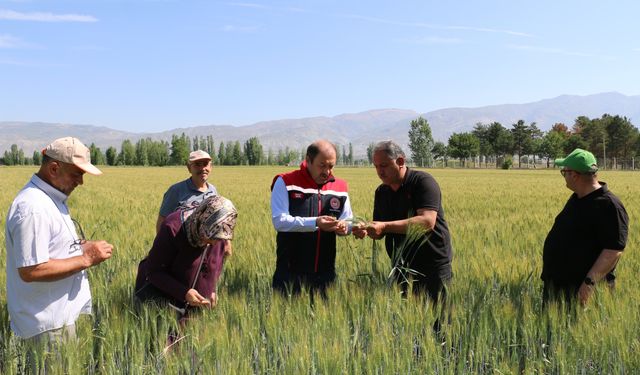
(214, 218)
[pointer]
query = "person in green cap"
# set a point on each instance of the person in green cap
(588, 235)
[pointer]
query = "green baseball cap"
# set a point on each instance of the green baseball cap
(579, 160)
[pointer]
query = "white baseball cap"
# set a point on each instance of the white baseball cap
(198, 155)
(70, 150)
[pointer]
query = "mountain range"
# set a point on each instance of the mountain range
(360, 129)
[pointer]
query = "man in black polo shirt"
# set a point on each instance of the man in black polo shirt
(408, 201)
(587, 237)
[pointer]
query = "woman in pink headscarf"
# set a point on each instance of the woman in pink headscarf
(187, 256)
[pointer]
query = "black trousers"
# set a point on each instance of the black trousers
(559, 292)
(291, 283)
(434, 290)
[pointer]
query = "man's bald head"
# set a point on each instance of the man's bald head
(321, 158)
(321, 146)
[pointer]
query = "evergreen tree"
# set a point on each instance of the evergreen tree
(536, 141)
(180, 147)
(281, 158)
(463, 146)
(211, 149)
(421, 142)
(350, 156)
(501, 141)
(15, 156)
(228, 154)
(294, 156)
(37, 158)
(221, 153)
(483, 134)
(97, 157)
(522, 139)
(345, 158)
(187, 140)
(158, 153)
(111, 155)
(440, 151)
(142, 151)
(551, 146)
(621, 135)
(20, 160)
(237, 158)
(209, 146)
(574, 141)
(127, 154)
(270, 157)
(253, 151)
(370, 152)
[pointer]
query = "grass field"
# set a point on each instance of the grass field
(498, 221)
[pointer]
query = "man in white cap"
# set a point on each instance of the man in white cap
(193, 189)
(47, 285)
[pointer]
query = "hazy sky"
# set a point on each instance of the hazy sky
(159, 64)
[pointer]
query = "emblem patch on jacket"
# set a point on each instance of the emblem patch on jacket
(334, 203)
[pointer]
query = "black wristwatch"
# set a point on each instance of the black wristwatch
(589, 281)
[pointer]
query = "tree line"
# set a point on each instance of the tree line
(149, 152)
(612, 139)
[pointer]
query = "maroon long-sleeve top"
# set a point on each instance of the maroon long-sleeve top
(172, 263)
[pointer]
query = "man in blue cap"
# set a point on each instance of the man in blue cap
(588, 235)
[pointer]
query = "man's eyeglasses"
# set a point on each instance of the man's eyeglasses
(563, 172)
(76, 245)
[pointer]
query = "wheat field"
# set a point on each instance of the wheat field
(498, 221)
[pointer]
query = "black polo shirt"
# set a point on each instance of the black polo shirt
(583, 228)
(430, 254)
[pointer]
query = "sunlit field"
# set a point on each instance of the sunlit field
(498, 221)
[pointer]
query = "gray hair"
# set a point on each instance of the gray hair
(392, 149)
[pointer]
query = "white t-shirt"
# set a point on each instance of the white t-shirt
(39, 228)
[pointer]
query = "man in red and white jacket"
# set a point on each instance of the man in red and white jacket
(309, 207)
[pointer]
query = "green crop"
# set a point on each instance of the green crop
(498, 221)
